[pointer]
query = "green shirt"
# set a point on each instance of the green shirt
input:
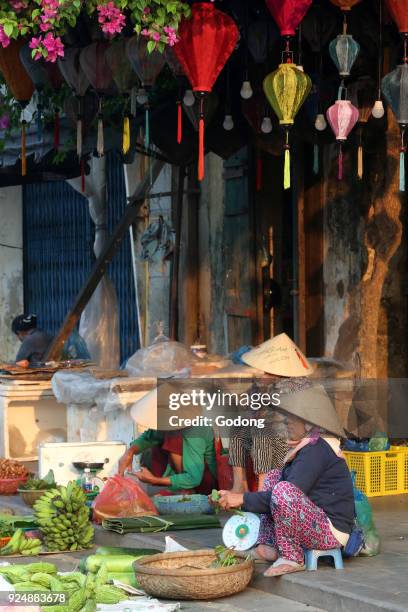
(198, 449)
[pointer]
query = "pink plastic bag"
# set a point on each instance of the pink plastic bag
(122, 498)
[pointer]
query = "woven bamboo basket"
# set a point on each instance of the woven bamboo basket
(186, 575)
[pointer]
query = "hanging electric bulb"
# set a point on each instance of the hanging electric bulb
(142, 96)
(189, 98)
(378, 110)
(320, 123)
(228, 124)
(246, 90)
(266, 125)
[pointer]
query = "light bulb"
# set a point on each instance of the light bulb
(266, 125)
(142, 96)
(228, 123)
(189, 98)
(378, 110)
(246, 90)
(320, 123)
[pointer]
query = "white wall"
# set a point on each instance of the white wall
(11, 267)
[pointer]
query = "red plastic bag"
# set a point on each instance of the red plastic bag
(122, 498)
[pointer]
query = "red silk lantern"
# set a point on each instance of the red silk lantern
(206, 42)
(288, 14)
(399, 12)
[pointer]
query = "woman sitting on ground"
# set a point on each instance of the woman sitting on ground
(309, 504)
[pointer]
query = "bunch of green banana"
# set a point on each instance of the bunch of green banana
(63, 518)
(20, 544)
(13, 546)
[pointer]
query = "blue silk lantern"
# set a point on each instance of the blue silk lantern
(395, 89)
(343, 51)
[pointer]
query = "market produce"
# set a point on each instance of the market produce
(63, 518)
(12, 469)
(6, 530)
(39, 484)
(83, 592)
(119, 564)
(19, 544)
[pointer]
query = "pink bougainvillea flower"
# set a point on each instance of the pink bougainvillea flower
(4, 39)
(145, 32)
(156, 36)
(53, 45)
(110, 18)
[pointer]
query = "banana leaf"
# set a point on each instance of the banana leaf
(19, 522)
(155, 524)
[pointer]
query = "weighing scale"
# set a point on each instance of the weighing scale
(241, 531)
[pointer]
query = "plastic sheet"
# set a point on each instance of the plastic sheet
(99, 325)
(162, 359)
(80, 388)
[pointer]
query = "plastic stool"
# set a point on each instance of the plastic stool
(311, 557)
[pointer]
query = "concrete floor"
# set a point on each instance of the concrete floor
(365, 585)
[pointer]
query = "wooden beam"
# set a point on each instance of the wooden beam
(110, 248)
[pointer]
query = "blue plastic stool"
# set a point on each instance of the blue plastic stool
(311, 557)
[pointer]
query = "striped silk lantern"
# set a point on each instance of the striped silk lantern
(395, 89)
(342, 117)
(286, 90)
(344, 51)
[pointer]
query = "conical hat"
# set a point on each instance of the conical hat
(314, 406)
(279, 356)
(145, 413)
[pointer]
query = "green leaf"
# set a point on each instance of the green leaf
(8, 29)
(151, 45)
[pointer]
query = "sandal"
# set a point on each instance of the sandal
(284, 566)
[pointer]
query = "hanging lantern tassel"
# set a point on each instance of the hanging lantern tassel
(340, 164)
(360, 156)
(259, 172)
(315, 159)
(286, 171)
(133, 101)
(56, 130)
(402, 160)
(100, 145)
(147, 127)
(179, 122)
(23, 148)
(82, 165)
(126, 134)
(79, 129)
(201, 141)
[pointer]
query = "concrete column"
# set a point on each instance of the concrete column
(11, 268)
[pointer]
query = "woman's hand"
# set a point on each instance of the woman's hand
(145, 475)
(230, 500)
(125, 462)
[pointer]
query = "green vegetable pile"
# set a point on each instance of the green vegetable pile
(225, 557)
(83, 592)
(6, 530)
(40, 484)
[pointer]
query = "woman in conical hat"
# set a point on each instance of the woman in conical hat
(277, 361)
(309, 504)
